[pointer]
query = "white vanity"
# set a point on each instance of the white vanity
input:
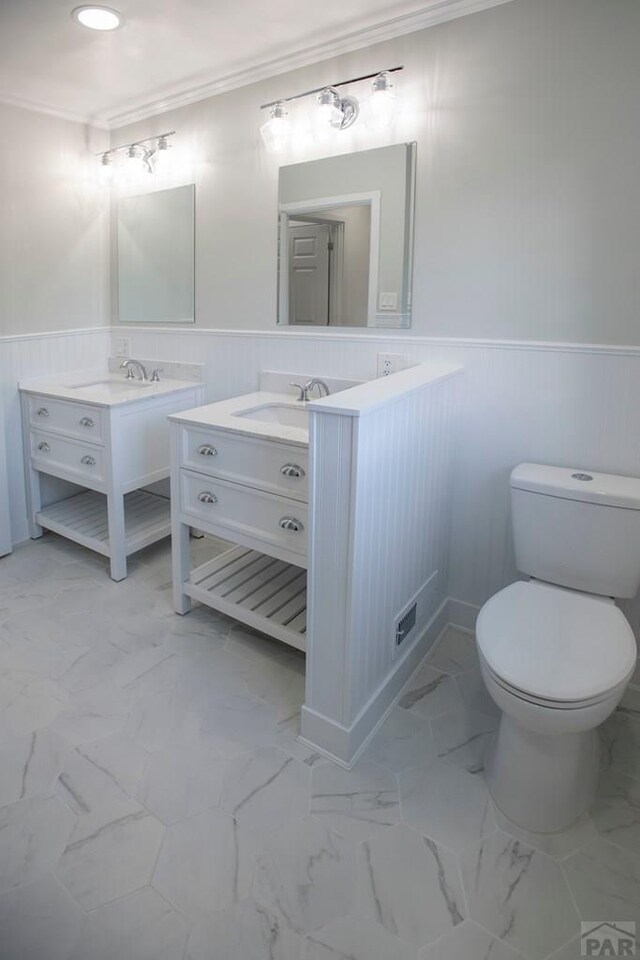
(107, 434)
(240, 471)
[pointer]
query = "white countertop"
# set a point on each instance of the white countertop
(85, 387)
(223, 415)
(368, 396)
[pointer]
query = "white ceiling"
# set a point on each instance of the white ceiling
(177, 51)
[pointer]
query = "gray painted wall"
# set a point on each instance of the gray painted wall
(54, 251)
(528, 210)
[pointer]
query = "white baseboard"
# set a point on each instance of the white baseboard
(462, 615)
(344, 745)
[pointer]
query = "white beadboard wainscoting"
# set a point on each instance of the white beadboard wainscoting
(37, 355)
(566, 404)
(379, 502)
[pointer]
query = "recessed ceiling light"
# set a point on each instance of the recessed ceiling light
(97, 18)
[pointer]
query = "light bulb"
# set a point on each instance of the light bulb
(276, 131)
(106, 169)
(162, 158)
(382, 102)
(328, 114)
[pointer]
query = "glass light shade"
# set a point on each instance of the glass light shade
(382, 103)
(328, 114)
(276, 131)
(106, 170)
(162, 159)
(97, 18)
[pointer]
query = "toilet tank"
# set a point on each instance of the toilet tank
(577, 528)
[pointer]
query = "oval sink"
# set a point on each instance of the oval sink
(110, 387)
(283, 413)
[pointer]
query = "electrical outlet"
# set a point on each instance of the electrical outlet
(123, 347)
(389, 363)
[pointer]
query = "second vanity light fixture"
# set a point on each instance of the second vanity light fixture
(140, 156)
(332, 111)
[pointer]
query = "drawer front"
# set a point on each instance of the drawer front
(53, 454)
(271, 519)
(276, 467)
(73, 419)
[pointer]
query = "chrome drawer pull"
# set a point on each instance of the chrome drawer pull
(292, 470)
(290, 523)
(90, 461)
(87, 422)
(44, 447)
(206, 450)
(42, 412)
(206, 497)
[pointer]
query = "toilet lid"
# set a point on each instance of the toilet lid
(554, 643)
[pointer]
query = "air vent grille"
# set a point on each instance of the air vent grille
(406, 624)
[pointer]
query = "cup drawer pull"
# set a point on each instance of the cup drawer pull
(206, 450)
(290, 523)
(292, 470)
(42, 412)
(206, 497)
(44, 447)
(87, 422)
(90, 461)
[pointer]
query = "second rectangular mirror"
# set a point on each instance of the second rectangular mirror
(346, 239)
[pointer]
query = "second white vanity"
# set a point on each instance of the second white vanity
(108, 434)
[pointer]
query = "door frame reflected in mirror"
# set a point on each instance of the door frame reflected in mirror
(288, 211)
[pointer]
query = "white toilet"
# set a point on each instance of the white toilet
(556, 653)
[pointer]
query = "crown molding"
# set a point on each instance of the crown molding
(435, 12)
(36, 106)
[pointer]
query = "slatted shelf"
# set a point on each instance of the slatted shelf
(266, 594)
(84, 518)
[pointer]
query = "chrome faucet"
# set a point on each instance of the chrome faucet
(128, 365)
(306, 388)
(323, 389)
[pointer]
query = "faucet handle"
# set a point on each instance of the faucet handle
(155, 378)
(302, 389)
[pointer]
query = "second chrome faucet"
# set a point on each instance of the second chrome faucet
(306, 388)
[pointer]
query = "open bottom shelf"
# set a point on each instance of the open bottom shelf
(266, 594)
(83, 518)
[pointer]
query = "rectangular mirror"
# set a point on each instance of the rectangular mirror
(345, 248)
(156, 234)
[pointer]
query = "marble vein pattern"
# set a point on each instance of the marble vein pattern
(156, 804)
(410, 885)
(306, 875)
(469, 942)
(447, 804)
(355, 803)
(519, 895)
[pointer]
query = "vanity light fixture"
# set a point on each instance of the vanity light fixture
(148, 156)
(332, 110)
(97, 17)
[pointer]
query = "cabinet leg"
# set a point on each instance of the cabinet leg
(117, 537)
(181, 562)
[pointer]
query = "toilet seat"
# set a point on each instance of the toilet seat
(565, 705)
(555, 647)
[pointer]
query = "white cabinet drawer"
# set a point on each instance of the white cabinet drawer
(73, 419)
(277, 467)
(81, 462)
(238, 510)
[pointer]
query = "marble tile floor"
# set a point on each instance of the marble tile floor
(155, 803)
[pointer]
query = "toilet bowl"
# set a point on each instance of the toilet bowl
(556, 655)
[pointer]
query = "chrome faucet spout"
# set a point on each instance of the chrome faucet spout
(128, 365)
(323, 389)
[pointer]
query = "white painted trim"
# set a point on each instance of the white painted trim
(370, 198)
(36, 106)
(348, 334)
(338, 742)
(462, 615)
(433, 13)
(50, 334)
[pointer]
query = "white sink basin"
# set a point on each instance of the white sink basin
(109, 386)
(289, 415)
